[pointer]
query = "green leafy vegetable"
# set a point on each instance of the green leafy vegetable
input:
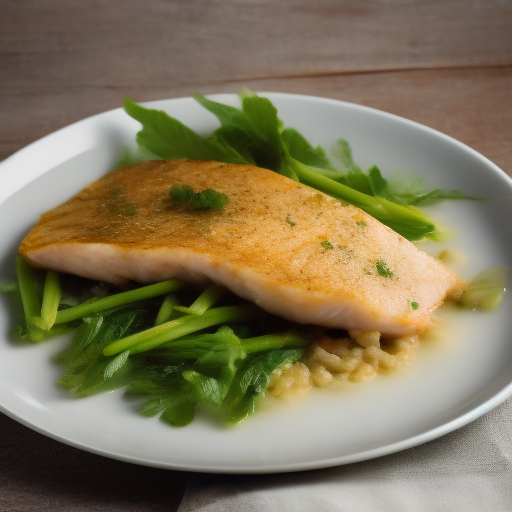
(88, 371)
(31, 302)
(119, 299)
(10, 288)
(166, 310)
(161, 350)
(160, 131)
(486, 291)
(212, 370)
(252, 380)
(155, 336)
(51, 300)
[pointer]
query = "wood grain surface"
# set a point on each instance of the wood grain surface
(444, 63)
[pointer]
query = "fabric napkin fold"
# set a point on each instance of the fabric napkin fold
(467, 470)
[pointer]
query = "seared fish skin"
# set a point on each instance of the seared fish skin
(292, 250)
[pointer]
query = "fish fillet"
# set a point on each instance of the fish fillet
(290, 249)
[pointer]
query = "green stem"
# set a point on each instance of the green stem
(119, 299)
(155, 336)
(205, 301)
(166, 309)
(51, 299)
(273, 342)
(406, 220)
(29, 299)
(29, 296)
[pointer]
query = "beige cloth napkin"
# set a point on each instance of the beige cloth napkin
(467, 470)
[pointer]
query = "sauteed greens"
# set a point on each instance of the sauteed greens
(174, 347)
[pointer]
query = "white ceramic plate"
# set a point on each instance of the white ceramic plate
(452, 382)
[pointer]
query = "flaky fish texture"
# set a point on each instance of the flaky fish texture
(290, 249)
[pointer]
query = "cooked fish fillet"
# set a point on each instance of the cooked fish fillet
(290, 249)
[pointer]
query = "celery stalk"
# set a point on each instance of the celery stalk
(405, 220)
(205, 301)
(119, 299)
(273, 342)
(29, 299)
(155, 336)
(51, 299)
(166, 309)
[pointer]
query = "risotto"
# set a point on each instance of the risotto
(356, 357)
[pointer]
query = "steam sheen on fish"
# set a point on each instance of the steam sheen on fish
(290, 249)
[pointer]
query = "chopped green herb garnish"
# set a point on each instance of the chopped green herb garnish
(208, 199)
(414, 305)
(326, 245)
(290, 221)
(181, 193)
(383, 269)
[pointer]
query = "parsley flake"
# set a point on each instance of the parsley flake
(326, 245)
(383, 269)
(290, 221)
(414, 305)
(207, 199)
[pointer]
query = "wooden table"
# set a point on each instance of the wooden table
(446, 64)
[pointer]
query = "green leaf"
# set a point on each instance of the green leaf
(88, 371)
(434, 196)
(252, 380)
(486, 291)
(168, 138)
(166, 394)
(252, 131)
(344, 153)
(181, 413)
(228, 116)
(262, 114)
(115, 364)
(300, 149)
